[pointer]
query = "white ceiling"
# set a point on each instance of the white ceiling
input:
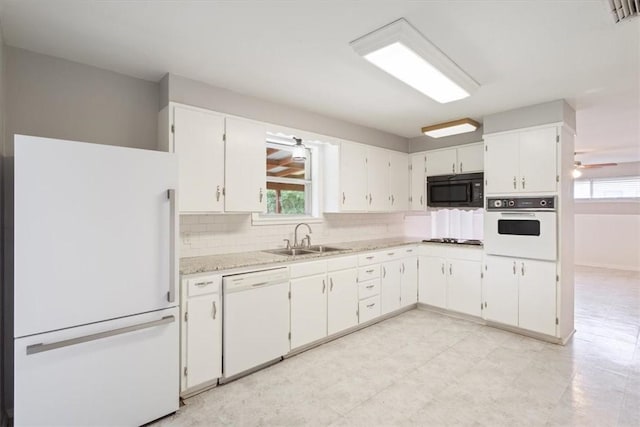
(297, 53)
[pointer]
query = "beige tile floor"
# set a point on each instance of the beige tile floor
(422, 368)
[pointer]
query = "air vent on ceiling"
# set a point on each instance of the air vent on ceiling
(623, 10)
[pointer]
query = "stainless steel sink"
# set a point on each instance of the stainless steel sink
(322, 248)
(291, 252)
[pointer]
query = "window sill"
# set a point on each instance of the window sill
(259, 219)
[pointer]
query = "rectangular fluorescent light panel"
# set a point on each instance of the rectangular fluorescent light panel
(451, 128)
(408, 67)
(402, 51)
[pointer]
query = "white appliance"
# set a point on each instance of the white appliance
(522, 227)
(96, 338)
(255, 319)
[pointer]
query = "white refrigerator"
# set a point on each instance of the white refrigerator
(96, 337)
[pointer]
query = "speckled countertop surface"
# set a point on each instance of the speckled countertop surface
(211, 263)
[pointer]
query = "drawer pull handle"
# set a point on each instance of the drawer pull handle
(369, 287)
(391, 253)
(203, 284)
(371, 305)
(370, 257)
(370, 271)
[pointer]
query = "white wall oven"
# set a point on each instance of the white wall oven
(523, 227)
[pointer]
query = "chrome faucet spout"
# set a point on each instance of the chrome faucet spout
(295, 235)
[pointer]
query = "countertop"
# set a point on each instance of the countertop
(212, 263)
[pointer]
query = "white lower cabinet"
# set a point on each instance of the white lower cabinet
(308, 310)
(201, 332)
(521, 292)
(450, 277)
(390, 286)
(409, 281)
(464, 288)
(342, 301)
(432, 281)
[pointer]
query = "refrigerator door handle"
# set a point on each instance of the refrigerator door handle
(40, 347)
(173, 255)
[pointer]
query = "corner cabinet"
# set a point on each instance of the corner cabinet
(522, 161)
(201, 315)
(221, 159)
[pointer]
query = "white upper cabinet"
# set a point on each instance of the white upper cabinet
(521, 161)
(353, 193)
(418, 182)
(463, 159)
(441, 162)
(399, 181)
(198, 138)
(221, 159)
(378, 180)
(361, 178)
(470, 158)
(245, 171)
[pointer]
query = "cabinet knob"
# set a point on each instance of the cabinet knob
(260, 196)
(331, 283)
(523, 183)
(343, 197)
(514, 183)
(522, 269)
(324, 285)
(453, 168)
(214, 310)
(218, 192)
(460, 167)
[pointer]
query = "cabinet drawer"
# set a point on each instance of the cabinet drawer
(409, 251)
(370, 258)
(342, 263)
(392, 254)
(368, 289)
(369, 309)
(308, 268)
(203, 285)
(368, 273)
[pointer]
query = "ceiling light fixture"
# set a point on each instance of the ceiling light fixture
(299, 153)
(576, 173)
(402, 51)
(451, 128)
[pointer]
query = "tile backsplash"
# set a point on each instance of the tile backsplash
(218, 234)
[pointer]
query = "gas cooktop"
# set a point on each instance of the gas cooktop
(455, 241)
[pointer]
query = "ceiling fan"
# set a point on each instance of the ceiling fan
(578, 165)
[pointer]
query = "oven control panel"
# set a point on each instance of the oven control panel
(521, 203)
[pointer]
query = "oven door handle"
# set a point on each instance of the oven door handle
(518, 214)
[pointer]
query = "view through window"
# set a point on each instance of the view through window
(288, 181)
(627, 187)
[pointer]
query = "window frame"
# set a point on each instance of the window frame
(592, 199)
(312, 190)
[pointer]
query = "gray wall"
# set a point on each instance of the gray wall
(191, 92)
(56, 98)
(424, 142)
(533, 115)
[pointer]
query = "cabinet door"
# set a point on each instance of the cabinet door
(390, 286)
(500, 288)
(409, 282)
(198, 141)
(378, 180)
(308, 310)
(501, 163)
(537, 296)
(418, 183)
(464, 289)
(399, 181)
(441, 162)
(471, 158)
(538, 168)
(204, 339)
(343, 300)
(353, 177)
(432, 282)
(245, 167)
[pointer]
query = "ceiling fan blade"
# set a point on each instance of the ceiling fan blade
(597, 165)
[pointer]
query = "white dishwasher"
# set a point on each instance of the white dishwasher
(255, 319)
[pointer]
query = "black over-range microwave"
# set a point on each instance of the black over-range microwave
(448, 191)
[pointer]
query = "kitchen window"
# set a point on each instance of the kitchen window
(289, 184)
(627, 187)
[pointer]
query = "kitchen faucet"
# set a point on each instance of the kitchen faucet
(295, 236)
